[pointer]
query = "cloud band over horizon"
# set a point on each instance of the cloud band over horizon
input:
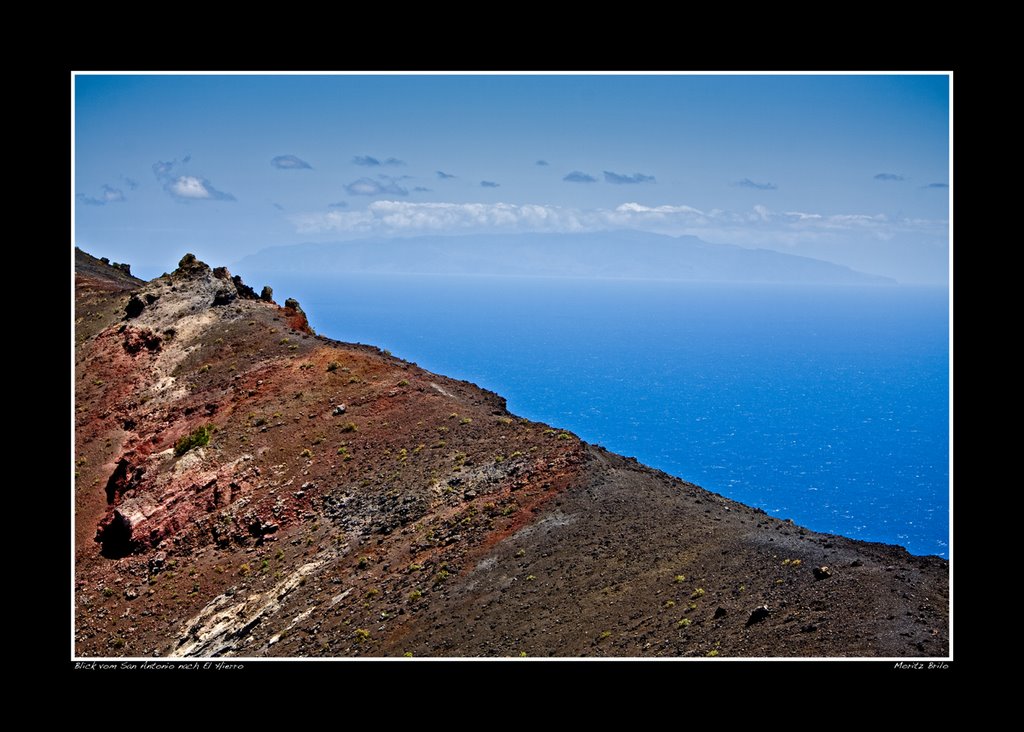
(405, 218)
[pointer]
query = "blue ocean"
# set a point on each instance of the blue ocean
(826, 405)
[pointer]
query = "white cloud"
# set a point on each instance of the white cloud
(192, 188)
(641, 209)
(112, 195)
(371, 187)
(626, 179)
(363, 187)
(188, 186)
(856, 220)
(109, 194)
(162, 168)
(665, 219)
(290, 162)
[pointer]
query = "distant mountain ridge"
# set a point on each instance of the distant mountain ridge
(622, 254)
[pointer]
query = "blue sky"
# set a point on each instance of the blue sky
(852, 169)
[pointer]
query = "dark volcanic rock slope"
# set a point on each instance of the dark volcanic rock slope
(244, 487)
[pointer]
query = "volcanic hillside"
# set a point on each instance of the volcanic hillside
(245, 487)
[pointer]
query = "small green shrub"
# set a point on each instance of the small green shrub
(199, 437)
(333, 366)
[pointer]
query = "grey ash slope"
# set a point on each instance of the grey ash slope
(632, 562)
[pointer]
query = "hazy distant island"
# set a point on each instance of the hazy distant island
(624, 254)
(244, 487)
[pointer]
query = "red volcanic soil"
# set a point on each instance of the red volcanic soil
(244, 487)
